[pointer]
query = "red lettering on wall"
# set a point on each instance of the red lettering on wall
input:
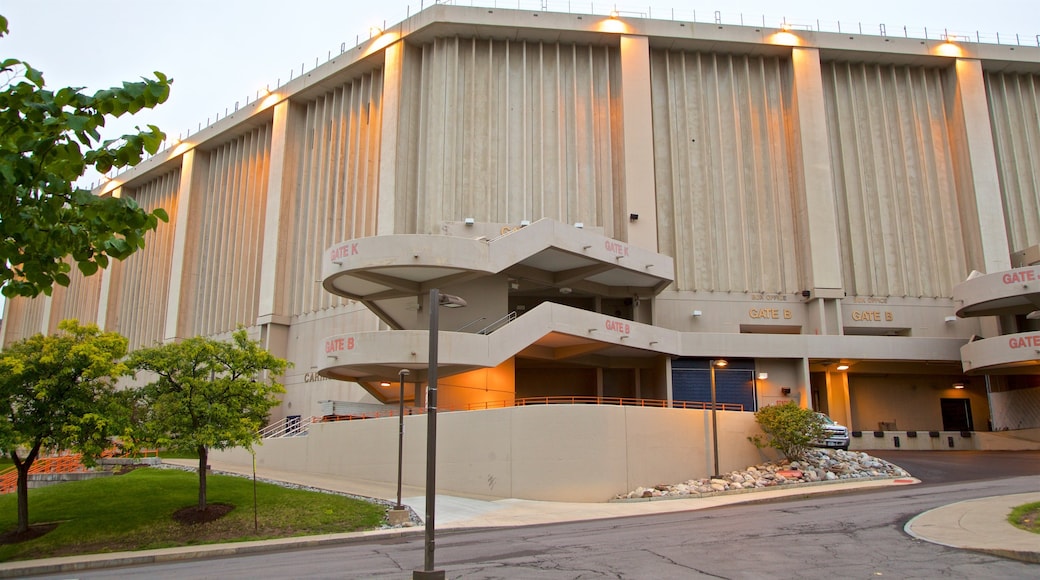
(344, 251)
(1027, 341)
(617, 326)
(1019, 276)
(615, 247)
(339, 344)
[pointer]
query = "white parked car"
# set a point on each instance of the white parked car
(837, 435)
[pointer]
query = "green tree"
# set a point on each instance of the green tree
(207, 394)
(48, 139)
(57, 393)
(789, 429)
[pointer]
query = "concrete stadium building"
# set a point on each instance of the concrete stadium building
(850, 220)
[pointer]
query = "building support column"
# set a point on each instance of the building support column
(971, 109)
(638, 127)
(180, 291)
(386, 216)
(824, 279)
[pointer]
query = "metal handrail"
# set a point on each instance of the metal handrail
(498, 323)
(284, 428)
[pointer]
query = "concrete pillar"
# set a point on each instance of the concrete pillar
(106, 285)
(271, 307)
(391, 117)
(973, 107)
(174, 327)
(839, 405)
(816, 176)
(640, 187)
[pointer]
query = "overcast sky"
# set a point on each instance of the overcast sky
(218, 52)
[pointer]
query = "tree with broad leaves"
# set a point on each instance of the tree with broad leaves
(48, 139)
(57, 393)
(206, 394)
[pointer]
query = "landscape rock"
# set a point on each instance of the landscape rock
(819, 465)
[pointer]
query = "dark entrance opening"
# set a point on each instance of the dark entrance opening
(956, 414)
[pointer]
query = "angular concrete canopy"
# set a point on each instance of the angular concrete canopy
(549, 252)
(1002, 293)
(549, 332)
(1007, 354)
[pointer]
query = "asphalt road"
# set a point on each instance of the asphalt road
(936, 467)
(844, 535)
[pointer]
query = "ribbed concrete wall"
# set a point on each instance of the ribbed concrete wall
(24, 318)
(79, 300)
(140, 284)
(726, 208)
(337, 169)
(228, 210)
(1015, 116)
(502, 131)
(896, 180)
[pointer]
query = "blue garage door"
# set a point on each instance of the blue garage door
(691, 381)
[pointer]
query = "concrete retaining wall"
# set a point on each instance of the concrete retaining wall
(545, 452)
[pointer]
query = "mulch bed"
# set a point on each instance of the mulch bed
(190, 516)
(34, 531)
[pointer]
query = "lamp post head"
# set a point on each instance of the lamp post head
(451, 301)
(403, 373)
(719, 363)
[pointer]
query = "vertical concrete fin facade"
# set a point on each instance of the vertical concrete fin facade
(896, 179)
(502, 131)
(229, 230)
(1014, 102)
(336, 182)
(640, 191)
(138, 287)
(815, 176)
(724, 167)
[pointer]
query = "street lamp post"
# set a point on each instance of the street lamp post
(400, 436)
(714, 418)
(436, 299)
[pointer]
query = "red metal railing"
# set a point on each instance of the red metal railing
(528, 401)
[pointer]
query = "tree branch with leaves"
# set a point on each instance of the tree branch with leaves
(48, 139)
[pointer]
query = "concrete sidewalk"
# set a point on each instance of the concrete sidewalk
(974, 525)
(980, 525)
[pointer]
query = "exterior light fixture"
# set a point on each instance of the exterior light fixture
(525, 223)
(579, 225)
(842, 367)
(470, 221)
(633, 216)
(958, 385)
(565, 290)
(763, 376)
(697, 313)
(384, 384)
(614, 14)
(950, 319)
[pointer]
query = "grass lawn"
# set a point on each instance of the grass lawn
(134, 512)
(1027, 517)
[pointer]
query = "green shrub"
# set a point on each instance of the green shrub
(789, 429)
